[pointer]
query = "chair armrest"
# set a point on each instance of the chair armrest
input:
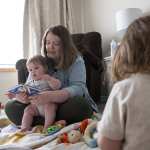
(21, 70)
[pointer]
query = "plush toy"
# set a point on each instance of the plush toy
(84, 124)
(72, 137)
(89, 133)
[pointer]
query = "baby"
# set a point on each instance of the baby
(41, 80)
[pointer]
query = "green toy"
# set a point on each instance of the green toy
(53, 129)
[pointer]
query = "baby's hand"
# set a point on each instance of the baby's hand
(54, 83)
(22, 97)
(46, 77)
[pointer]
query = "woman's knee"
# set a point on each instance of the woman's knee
(14, 111)
(74, 110)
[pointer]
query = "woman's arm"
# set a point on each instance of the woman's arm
(77, 78)
(76, 81)
(105, 143)
(21, 97)
(58, 96)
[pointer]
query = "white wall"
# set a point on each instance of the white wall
(100, 16)
(7, 80)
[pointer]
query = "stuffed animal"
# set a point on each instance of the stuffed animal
(72, 137)
(89, 135)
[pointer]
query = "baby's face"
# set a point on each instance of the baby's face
(35, 70)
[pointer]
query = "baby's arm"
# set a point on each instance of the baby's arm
(54, 83)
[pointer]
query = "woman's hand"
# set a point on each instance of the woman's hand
(58, 96)
(22, 97)
(41, 98)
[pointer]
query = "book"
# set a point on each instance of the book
(29, 90)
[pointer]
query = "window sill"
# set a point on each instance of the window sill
(7, 70)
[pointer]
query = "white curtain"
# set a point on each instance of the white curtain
(40, 14)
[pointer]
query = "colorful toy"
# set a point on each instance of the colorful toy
(72, 137)
(53, 129)
(83, 125)
(56, 127)
(89, 138)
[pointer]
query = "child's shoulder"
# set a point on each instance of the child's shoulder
(134, 81)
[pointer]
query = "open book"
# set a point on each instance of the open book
(29, 90)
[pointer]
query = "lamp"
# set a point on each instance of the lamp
(125, 17)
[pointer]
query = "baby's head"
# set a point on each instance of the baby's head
(133, 54)
(37, 66)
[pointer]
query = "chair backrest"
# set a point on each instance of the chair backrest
(89, 44)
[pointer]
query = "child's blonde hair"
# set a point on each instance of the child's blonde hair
(133, 54)
(38, 59)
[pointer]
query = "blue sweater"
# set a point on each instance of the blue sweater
(74, 80)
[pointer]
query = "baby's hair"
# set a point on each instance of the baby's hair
(133, 54)
(38, 59)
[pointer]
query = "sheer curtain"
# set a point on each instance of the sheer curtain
(40, 14)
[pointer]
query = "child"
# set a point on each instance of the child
(39, 78)
(125, 123)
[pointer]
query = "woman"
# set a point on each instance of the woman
(73, 98)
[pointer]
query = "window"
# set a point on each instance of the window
(11, 32)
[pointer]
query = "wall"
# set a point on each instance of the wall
(7, 80)
(99, 15)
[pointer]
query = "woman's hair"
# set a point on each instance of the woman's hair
(69, 52)
(38, 59)
(133, 53)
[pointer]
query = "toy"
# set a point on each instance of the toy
(89, 138)
(24, 88)
(83, 125)
(56, 127)
(53, 129)
(72, 137)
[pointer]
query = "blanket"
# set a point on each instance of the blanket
(12, 139)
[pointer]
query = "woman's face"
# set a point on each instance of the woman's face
(53, 46)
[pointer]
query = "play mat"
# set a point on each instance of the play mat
(77, 136)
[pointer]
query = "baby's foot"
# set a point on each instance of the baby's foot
(38, 129)
(25, 129)
(61, 122)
